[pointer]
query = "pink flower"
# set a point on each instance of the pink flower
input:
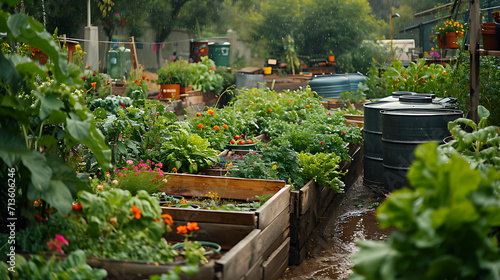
(62, 239)
(100, 187)
(160, 165)
(115, 182)
(164, 180)
(321, 142)
(130, 162)
(124, 175)
(329, 114)
(343, 133)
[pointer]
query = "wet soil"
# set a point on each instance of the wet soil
(351, 216)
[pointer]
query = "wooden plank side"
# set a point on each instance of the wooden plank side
(276, 264)
(309, 196)
(225, 187)
(241, 258)
(255, 272)
(284, 235)
(275, 230)
(226, 235)
(273, 207)
(211, 216)
(119, 270)
(297, 255)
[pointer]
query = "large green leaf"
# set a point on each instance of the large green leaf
(57, 195)
(78, 129)
(41, 173)
(49, 103)
(12, 147)
(10, 74)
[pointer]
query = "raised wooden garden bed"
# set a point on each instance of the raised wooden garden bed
(257, 242)
(309, 204)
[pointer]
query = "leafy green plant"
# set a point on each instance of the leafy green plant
(111, 105)
(187, 152)
(323, 168)
(38, 267)
(352, 97)
(254, 166)
(96, 83)
(443, 226)
(481, 145)
(418, 77)
(204, 77)
(40, 124)
(137, 89)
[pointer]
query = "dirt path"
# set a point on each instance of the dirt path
(349, 217)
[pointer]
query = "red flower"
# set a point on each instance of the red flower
(216, 127)
(200, 125)
(182, 230)
(39, 218)
(308, 106)
(123, 105)
(211, 112)
(94, 74)
(83, 78)
(269, 110)
(198, 114)
(159, 96)
(77, 207)
(135, 81)
(192, 226)
(143, 77)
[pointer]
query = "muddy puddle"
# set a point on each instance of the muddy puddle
(350, 217)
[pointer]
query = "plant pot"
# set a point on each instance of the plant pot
(186, 89)
(267, 70)
(331, 58)
(214, 247)
(490, 41)
(245, 147)
(451, 40)
(441, 40)
(170, 91)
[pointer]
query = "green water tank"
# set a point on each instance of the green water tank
(219, 53)
(119, 62)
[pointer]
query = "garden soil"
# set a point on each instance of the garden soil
(350, 216)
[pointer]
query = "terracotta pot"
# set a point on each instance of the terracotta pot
(451, 40)
(170, 91)
(490, 41)
(186, 89)
(441, 41)
(331, 58)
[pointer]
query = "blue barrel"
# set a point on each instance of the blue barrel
(331, 86)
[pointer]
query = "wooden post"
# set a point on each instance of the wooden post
(474, 64)
(133, 52)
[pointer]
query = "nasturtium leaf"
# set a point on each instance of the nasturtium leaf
(57, 195)
(13, 146)
(78, 129)
(49, 103)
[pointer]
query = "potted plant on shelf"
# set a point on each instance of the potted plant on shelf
(451, 30)
(169, 80)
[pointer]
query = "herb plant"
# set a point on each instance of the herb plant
(444, 226)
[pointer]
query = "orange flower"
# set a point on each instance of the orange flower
(182, 230)
(139, 83)
(216, 127)
(269, 110)
(211, 112)
(224, 126)
(167, 219)
(174, 170)
(137, 212)
(198, 114)
(156, 220)
(308, 106)
(192, 226)
(200, 125)
(93, 84)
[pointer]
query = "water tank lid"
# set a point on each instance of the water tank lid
(401, 93)
(420, 99)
